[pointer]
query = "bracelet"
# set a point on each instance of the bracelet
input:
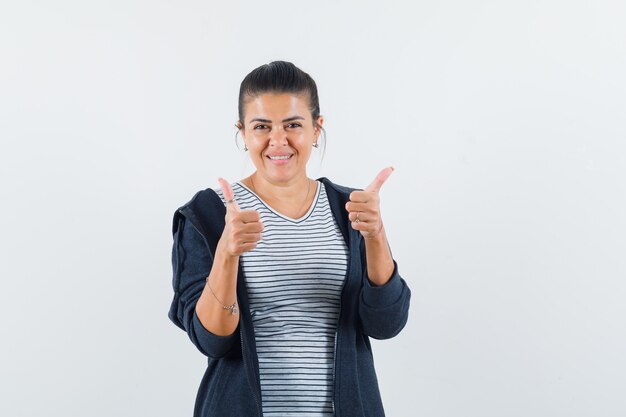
(233, 308)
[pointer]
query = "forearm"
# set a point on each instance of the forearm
(223, 281)
(379, 259)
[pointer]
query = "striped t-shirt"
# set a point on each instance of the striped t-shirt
(294, 278)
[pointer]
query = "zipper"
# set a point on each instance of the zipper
(334, 366)
(244, 353)
(343, 285)
(335, 349)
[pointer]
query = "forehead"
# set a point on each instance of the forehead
(276, 106)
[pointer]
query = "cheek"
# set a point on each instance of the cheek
(257, 141)
(306, 151)
(258, 135)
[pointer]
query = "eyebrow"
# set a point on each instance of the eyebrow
(289, 119)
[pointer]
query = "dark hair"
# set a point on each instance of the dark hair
(279, 77)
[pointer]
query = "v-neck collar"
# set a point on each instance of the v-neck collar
(283, 216)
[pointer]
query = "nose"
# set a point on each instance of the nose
(278, 136)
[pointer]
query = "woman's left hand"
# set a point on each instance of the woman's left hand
(364, 207)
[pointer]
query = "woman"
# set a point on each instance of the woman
(280, 279)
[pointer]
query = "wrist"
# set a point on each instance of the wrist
(223, 257)
(378, 236)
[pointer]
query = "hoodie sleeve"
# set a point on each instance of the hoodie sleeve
(384, 310)
(191, 264)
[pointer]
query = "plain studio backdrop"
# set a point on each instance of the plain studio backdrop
(506, 212)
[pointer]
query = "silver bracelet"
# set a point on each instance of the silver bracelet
(233, 308)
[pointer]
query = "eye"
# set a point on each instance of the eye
(259, 127)
(293, 125)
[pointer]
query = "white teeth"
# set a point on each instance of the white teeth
(281, 157)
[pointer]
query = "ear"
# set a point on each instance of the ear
(320, 123)
(239, 126)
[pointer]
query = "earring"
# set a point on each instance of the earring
(315, 145)
(245, 148)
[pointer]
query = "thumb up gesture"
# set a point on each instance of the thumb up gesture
(243, 228)
(364, 207)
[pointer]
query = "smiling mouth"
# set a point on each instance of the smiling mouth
(279, 157)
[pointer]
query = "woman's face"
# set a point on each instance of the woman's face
(279, 133)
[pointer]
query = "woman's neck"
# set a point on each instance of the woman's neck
(292, 199)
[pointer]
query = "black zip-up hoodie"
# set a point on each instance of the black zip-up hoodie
(231, 385)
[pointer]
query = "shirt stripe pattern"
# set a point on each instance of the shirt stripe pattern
(294, 279)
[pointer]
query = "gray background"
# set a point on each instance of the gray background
(504, 121)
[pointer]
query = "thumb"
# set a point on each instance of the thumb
(229, 196)
(380, 179)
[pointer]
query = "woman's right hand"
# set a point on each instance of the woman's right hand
(243, 227)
